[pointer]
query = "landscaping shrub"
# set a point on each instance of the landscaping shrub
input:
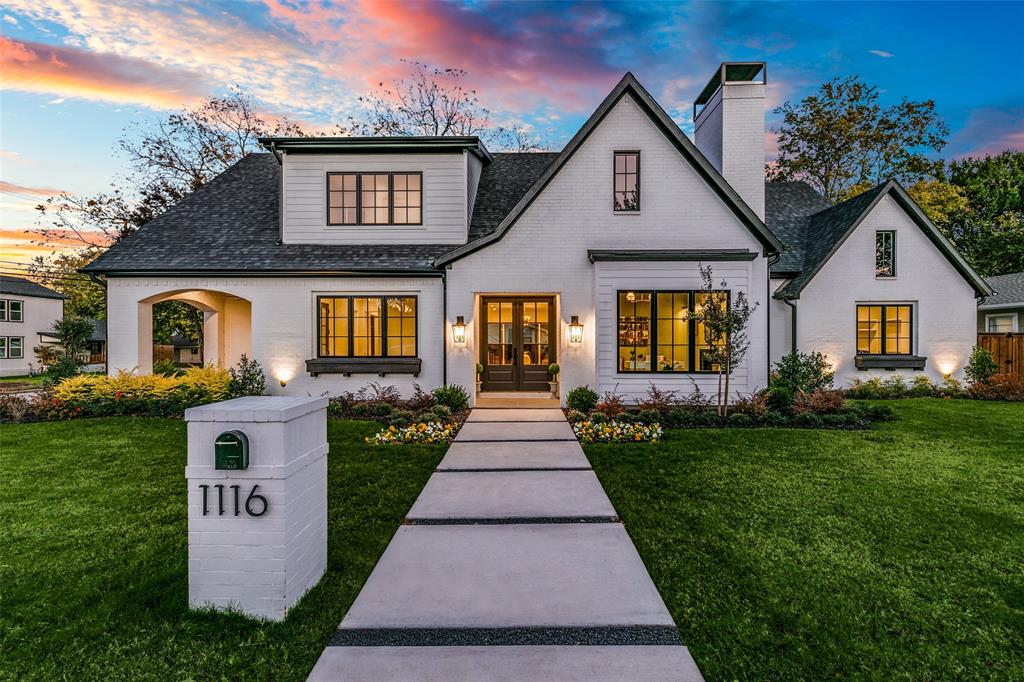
(648, 416)
(980, 366)
(575, 415)
(453, 396)
(616, 432)
(13, 408)
(400, 418)
(247, 378)
(147, 394)
(377, 393)
(657, 399)
(167, 368)
(421, 400)
(755, 405)
(818, 402)
(1000, 387)
(611, 404)
(922, 386)
(807, 372)
(582, 399)
(440, 411)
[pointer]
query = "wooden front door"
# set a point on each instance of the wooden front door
(519, 342)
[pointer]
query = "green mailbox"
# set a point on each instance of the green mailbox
(231, 450)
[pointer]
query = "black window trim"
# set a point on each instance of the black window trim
(691, 329)
(893, 259)
(359, 198)
(384, 327)
(883, 306)
(614, 154)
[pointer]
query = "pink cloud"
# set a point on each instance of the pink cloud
(990, 130)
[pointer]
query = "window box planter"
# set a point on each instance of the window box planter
(349, 366)
(865, 362)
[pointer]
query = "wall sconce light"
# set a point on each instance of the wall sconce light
(459, 330)
(284, 375)
(575, 330)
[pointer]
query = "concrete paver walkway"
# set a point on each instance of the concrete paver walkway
(512, 565)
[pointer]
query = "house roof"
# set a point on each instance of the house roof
(230, 225)
(1009, 291)
(628, 85)
(502, 184)
(404, 144)
(788, 207)
(19, 286)
(827, 229)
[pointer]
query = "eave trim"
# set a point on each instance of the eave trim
(692, 255)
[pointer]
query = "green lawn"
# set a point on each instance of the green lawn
(891, 554)
(93, 566)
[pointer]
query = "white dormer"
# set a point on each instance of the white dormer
(359, 190)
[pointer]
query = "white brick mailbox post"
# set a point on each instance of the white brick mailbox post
(257, 503)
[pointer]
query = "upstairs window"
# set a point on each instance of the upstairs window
(627, 182)
(11, 311)
(375, 198)
(367, 327)
(884, 330)
(885, 253)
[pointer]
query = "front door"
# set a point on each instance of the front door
(519, 342)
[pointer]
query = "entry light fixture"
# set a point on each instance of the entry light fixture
(459, 330)
(575, 330)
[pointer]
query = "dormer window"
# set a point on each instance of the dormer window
(627, 182)
(375, 198)
(885, 253)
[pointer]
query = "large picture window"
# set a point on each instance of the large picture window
(885, 253)
(375, 198)
(884, 330)
(367, 326)
(660, 331)
(627, 182)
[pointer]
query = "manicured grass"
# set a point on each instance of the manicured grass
(93, 570)
(890, 554)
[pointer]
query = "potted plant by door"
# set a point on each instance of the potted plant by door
(553, 370)
(479, 376)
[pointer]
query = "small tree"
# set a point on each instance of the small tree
(981, 366)
(73, 334)
(725, 329)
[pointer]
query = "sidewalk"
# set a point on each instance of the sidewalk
(512, 565)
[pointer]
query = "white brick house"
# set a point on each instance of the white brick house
(334, 261)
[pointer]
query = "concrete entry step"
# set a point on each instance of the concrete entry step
(480, 431)
(508, 664)
(521, 455)
(516, 415)
(512, 495)
(514, 400)
(545, 575)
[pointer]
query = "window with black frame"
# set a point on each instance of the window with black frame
(366, 326)
(885, 329)
(885, 253)
(662, 331)
(626, 195)
(392, 198)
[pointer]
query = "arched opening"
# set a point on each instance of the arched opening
(194, 327)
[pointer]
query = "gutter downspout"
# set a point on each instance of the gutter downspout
(792, 305)
(768, 290)
(444, 326)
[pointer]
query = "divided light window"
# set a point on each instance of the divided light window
(11, 311)
(659, 331)
(627, 182)
(885, 253)
(366, 327)
(884, 330)
(375, 198)
(12, 347)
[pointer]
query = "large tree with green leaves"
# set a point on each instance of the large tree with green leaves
(841, 137)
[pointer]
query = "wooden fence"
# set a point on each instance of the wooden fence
(1007, 350)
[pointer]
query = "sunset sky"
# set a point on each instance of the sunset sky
(75, 73)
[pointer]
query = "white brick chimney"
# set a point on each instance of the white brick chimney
(729, 119)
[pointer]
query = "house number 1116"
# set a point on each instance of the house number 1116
(255, 504)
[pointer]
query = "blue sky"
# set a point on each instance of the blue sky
(76, 73)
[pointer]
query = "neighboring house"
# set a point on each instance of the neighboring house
(27, 312)
(1003, 311)
(181, 351)
(335, 261)
(95, 355)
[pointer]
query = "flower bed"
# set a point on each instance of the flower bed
(377, 402)
(423, 432)
(616, 432)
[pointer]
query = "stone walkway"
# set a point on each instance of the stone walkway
(511, 565)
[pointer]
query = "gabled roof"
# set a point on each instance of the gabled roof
(1009, 291)
(502, 184)
(629, 85)
(788, 207)
(18, 286)
(827, 230)
(230, 225)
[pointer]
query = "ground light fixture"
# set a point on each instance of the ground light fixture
(459, 330)
(575, 330)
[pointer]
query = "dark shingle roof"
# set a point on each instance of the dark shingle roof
(231, 223)
(1009, 289)
(18, 286)
(503, 183)
(788, 207)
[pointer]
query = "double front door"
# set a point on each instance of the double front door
(519, 342)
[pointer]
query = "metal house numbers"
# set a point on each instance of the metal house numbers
(231, 453)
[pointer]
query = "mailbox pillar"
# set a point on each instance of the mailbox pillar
(257, 503)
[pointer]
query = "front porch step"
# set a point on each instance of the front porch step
(656, 663)
(520, 399)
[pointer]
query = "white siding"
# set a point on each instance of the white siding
(444, 199)
(283, 329)
(38, 315)
(944, 305)
(474, 167)
(781, 324)
(546, 250)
